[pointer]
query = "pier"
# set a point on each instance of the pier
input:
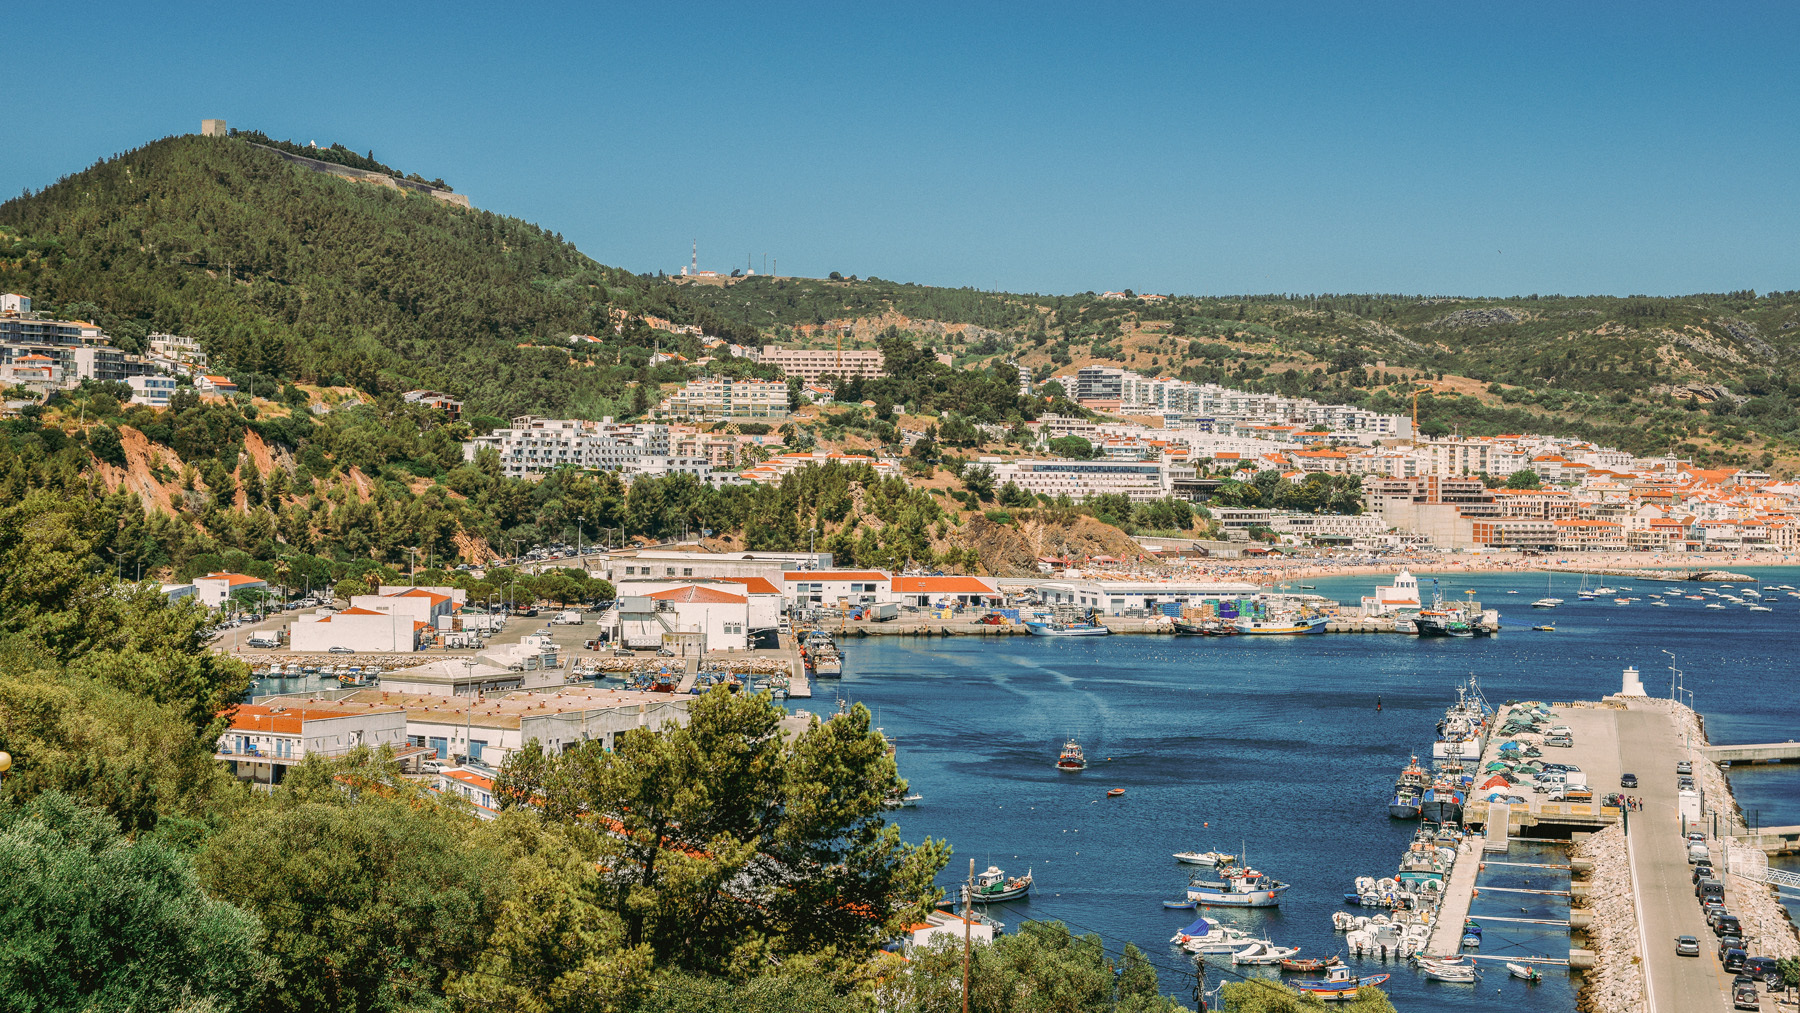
(1767, 752)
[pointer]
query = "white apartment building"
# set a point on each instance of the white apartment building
(151, 390)
(815, 363)
(264, 740)
(726, 398)
(1140, 480)
(177, 349)
(532, 446)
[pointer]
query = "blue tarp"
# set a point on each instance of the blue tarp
(1199, 928)
(1171, 608)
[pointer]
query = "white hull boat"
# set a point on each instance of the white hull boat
(1263, 953)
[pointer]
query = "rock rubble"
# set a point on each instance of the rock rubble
(1616, 984)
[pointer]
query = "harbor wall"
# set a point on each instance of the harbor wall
(1615, 984)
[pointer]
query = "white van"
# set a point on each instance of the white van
(569, 618)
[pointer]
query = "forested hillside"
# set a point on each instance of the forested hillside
(1712, 376)
(288, 274)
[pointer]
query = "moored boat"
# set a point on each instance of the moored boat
(1311, 965)
(1281, 623)
(1238, 888)
(1200, 857)
(993, 887)
(1067, 629)
(1524, 973)
(1263, 953)
(1339, 984)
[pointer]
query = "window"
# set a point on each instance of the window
(668, 571)
(629, 570)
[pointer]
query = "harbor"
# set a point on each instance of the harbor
(1171, 722)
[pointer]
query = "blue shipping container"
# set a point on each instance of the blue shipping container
(1171, 608)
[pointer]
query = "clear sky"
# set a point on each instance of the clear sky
(1198, 148)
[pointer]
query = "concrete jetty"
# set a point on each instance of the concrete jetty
(1640, 895)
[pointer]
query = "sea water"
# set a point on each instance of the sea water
(1276, 747)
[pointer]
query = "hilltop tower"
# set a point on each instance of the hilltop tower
(212, 128)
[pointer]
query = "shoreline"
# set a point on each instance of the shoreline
(1434, 564)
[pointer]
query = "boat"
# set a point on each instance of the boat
(1237, 888)
(1072, 757)
(1439, 621)
(1339, 984)
(992, 886)
(1409, 791)
(827, 662)
(1526, 973)
(1407, 803)
(1546, 603)
(1311, 965)
(1461, 974)
(1761, 608)
(903, 801)
(1206, 935)
(1200, 857)
(1263, 953)
(1178, 905)
(1067, 629)
(1114, 792)
(1281, 623)
(1207, 628)
(1545, 629)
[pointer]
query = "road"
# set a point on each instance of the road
(1649, 747)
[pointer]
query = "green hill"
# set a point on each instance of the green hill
(1711, 375)
(286, 273)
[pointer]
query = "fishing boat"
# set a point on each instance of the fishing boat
(1263, 953)
(1237, 888)
(1200, 857)
(1207, 628)
(1407, 803)
(1072, 757)
(1114, 792)
(1067, 629)
(1311, 965)
(992, 886)
(827, 662)
(1339, 984)
(1281, 623)
(1524, 973)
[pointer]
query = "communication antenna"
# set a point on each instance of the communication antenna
(694, 261)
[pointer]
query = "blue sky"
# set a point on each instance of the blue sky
(1196, 148)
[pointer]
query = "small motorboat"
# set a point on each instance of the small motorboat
(1199, 857)
(1179, 905)
(1310, 966)
(1114, 792)
(1263, 953)
(1524, 973)
(1545, 629)
(1456, 974)
(1471, 942)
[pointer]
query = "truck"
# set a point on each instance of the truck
(569, 618)
(881, 612)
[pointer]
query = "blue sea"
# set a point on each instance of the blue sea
(1275, 746)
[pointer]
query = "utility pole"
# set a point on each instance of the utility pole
(968, 888)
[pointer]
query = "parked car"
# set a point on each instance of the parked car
(1768, 969)
(1726, 924)
(339, 650)
(1687, 946)
(1684, 767)
(1732, 955)
(1744, 997)
(1702, 871)
(1696, 837)
(1628, 780)
(1711, 902)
